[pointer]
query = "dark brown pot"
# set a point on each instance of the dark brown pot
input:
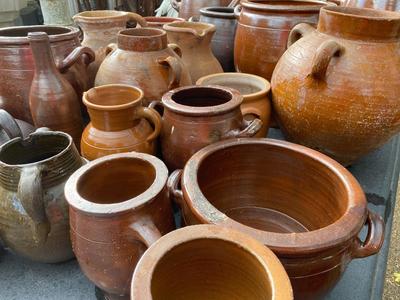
(17, 67)
(191, 8)
(393, 5)
(11, 128)
(301, 204)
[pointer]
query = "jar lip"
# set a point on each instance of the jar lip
(142, 32)
(198, 29)
(218, 12)
(100, 16)
(162, 20)
(362, 13)
(311, 5)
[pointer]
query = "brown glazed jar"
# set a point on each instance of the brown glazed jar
(11, 128)
(17, 66)
(100, 28)
(197, 116)
(339, 101)
(144, 60)
(159, 22)
(254, 90)
(180, 263)
(393, 5)
(33, 211)
(263, 29)
(301, 204)
(119, 122)
(194, 40)
(118, 208)
(191, 8)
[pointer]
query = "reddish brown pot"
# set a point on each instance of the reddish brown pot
(11, 128)
(263, 29)
(191, 8)
(181, 262)
(393, 5)
(159, 22)
(338, 101)
(17, 68)
(301, 204)
(118, 208)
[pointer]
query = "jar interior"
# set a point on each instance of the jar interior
(209, 269)
(23, 31)
(201, 97)
(227, 10)
(272, 188)
(116, 180)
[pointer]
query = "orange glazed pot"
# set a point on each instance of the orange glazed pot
(209, 262)
(301, 204)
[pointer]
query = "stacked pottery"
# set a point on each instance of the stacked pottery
(11, 128)
(191, 8)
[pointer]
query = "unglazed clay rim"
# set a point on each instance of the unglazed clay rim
(123, 32)
(281, 288)
(345, 228)
(152, 20)
(132, 103)
(113, 16)
(315, 5)
(230, 105)
(75, 200)
(208, 12)
(18, 40)
(174, 28)
(342, 11)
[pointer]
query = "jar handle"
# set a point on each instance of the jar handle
(176, 70)
(325, 52)
(76, 54)
(137, 18)
(176, 49)
(299, 31)
(194, 19)
(172, 184)
(176, 5)
(251, 128)
(237, 11)
(111, 48)
(157, 103)
(9, 125)
(144, 230)
(374, 239)
(153, 117)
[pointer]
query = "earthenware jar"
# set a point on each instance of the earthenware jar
(191, 8)
(179, 263)
(33, 211)
(159, 22)
(52, 99)
(393, 5)
(17, 66)
(255, 92)
(326, 104)
(223, 41)
(100, 28)
(301, 204)
(118, 208)
(11, 128)
(197, 116)
(263, 30)
(119, 122)
(194, 40)
(147, 61)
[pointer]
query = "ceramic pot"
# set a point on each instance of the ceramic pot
(223, 41)
(147, 61)
(118, 208)
(301, 204)
(11, 128)
(159, 22)
(119, 122)
(179, 263)
(326, 104)
(197, 116)
(194, 40)
(33, 211)
(100, 28)
(393, 5)
(17, 65)
(254, 90)
(263, 29)
(191, 8)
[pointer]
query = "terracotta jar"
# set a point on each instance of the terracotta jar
(118, 208)
(191, 8)
(119, 122)
(393, 5)
(238, 266)
(146, 61)
(11, 128)
(17, 66)
(263, 29)
(301, 204)
(223, 41)
(197, 116)
(159, 22)
(194, 40)
(100, 28)
(33, 211)
(254, 90)
(338, 101)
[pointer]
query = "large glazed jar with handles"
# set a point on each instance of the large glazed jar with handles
(142, 58)
(191, 8)
(339, 101)
(17, 64)
(34, 219)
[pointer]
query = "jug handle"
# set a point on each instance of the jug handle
(9, 125)
(176, 5)
(176, 49)
(172, 184)
(194, 19)
(154, 118)
(374, 239)
(251, 128)
(137, 18)
(325, 52)
(156, 103)
(111, 48)
(76, 54)
(176, 70)
(299, 31)
(144, 230)
(237, 10)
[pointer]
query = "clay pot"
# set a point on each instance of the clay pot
(118, 208)
(33, 211)
(179, 264)
(393, 5)
(119, 122)
(197, 116)
(100, 28)
(159, 22)
(255, 93)
(301, 204)
(191, 8)
(11, 128)
(144, 59)
(194, 40)
(223, 41)
(338, 101)
(263, 29)
(17, 66)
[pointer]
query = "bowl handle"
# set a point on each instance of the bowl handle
(176, 70)
(144, 230)
(299, 31)
(325, 52)
(174, 192)
(76, 54)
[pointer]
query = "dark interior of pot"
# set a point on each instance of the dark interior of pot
(116, 180)
(201, 97)
(24, 30)
(209, 269)
(272, 188)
